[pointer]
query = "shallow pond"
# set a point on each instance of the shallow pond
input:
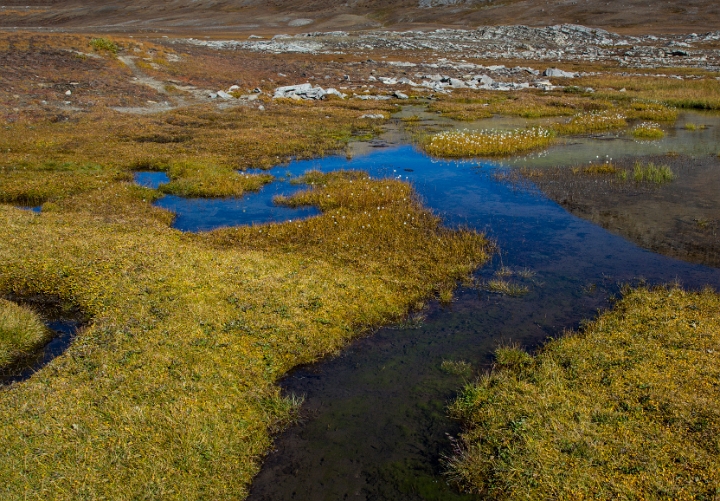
(374, 422)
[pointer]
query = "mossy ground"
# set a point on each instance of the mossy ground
(627, 408)
(21, 331)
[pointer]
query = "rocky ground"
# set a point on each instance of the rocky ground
(445, 59)
(155, 74)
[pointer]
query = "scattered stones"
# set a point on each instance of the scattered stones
(567, 42)
(373, 116)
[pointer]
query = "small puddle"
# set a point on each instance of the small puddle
(62, 322)
(37, 209)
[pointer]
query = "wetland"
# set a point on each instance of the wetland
(285, 298)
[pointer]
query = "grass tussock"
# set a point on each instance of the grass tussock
(21, 331)
(586, 123)
(190, 179)
(599, 169)
(457, 368)
(626, 409)
(104, 44)
(487, 143)
(466, 112)
(648, 130)
(655, 112)
(651, 173)
(505, 287)
(190, 333)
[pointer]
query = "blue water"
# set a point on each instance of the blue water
(374, 421)
(151, 179)
(37, 209)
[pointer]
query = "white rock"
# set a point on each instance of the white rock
(68, 93)
(557, 73)
(223, 95)
(388, 81)
(335, 92)
(373, 116)
(400, 95)
(233, 88)
(457, 83)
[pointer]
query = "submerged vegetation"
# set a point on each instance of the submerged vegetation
(627, 408)
(488, 143)
(21, 331)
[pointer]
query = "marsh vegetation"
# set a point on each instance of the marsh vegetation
(190, 333)
(623, 408)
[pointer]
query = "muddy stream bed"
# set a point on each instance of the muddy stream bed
(374, 423)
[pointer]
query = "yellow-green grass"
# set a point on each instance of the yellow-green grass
(500, 286)
(200, 148)
(647, 130)
(169, 393)
(651, 173)
(698, 94)
(457, 368)
(461, 111)
(585, 123)
(21, 331)
(487, 143)
(599, 169)
(657, 112)
(190, 179)
(626, 409)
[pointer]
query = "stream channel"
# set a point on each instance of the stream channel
(374, 421)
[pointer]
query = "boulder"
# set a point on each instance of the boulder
(557, 73)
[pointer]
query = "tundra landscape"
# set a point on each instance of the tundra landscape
(434, 250)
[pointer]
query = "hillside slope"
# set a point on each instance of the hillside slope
(303, 15)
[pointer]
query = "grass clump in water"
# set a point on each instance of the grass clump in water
(601, 169)
(648, 130)
(500, 286)
(21, 331)
(651, 173)
(656, 112)
(586, 123)
(487, 143)
(190, 179)
(626, 409)
(457, 368)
